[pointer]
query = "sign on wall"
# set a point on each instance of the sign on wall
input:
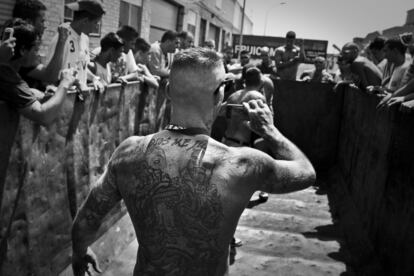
(254, 43)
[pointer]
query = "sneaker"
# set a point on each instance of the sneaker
(235, 242)
(263, 197)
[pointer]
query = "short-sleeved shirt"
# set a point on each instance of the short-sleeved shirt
(75, 54)
(156, 59)
(124, 65)
(13, 89)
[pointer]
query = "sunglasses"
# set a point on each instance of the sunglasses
(223, 83)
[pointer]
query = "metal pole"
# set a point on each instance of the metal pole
(241, 29)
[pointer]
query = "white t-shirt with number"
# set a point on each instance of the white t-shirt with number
(75, 54)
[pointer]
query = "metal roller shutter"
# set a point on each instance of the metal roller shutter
(6, 8)
(164, 16)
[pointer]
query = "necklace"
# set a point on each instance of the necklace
(187, 131)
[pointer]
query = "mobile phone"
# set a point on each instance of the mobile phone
(7, 34)
(229, 107)
(236, 106)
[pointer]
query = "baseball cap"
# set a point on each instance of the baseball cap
(90, 6)
(291, 34)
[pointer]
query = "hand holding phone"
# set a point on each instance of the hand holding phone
(7, 34)
(7, 45)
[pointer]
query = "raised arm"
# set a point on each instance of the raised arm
(50, 72)
(287, 169)
(45, 113)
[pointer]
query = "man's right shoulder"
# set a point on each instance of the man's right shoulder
(131, 149)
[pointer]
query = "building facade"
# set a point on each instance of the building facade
(389, 32)
(205, 19)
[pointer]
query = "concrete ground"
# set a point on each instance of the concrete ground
(291, 234)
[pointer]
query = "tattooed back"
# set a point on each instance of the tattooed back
(181, 194)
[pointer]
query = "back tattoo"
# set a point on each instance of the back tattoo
(176, 209)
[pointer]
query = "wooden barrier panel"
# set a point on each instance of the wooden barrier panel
(376, 163)
(309, 114)
(56, 166)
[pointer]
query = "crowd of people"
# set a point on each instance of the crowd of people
(196, 206)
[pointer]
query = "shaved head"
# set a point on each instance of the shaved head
(195, 74)
(253, 95)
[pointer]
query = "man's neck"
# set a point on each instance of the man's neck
(102, 59)
(190, 120)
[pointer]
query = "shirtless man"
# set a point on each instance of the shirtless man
(366, 71)
(288, 57)
(184, 191)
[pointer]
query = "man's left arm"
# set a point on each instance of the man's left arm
(100, 200)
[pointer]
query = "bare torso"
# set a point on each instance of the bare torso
(184, 195)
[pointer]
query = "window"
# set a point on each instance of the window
(130, 14)
(191, 22)
(68, 17)
(219, 3)
(68, 13)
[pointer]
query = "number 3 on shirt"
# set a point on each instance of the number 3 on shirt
(72, 46)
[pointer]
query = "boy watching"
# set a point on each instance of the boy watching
(112, 47)
(87, 14)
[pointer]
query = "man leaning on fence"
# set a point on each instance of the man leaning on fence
(15, 91)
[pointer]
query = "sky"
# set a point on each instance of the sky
(337, 21)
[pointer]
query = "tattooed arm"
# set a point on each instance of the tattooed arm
(287, 169)
(101, 199)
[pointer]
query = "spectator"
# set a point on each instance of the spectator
(364, 71)
(227, 57)
(266, 66)
(141, 57)
(158, 54)
(125, 66)
(15, 91)
(33, 12)
(7, 49)
(319, 73)
(395, 52)
(376, 50)
(34, 72)
(244, 58)
(86, 15)
(186, 40)
(254, 80)
(111, 50)
(186, 192)
(288, 57)
(245, 64)
(142, 48)
(239, 70)
(210, 44)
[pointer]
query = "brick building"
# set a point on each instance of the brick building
(208, 19)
